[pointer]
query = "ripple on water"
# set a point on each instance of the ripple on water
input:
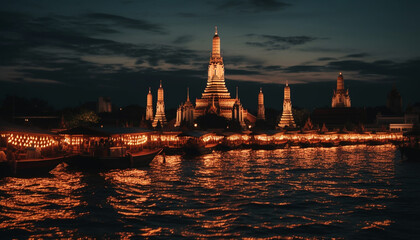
(339, 192)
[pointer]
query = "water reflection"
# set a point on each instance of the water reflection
(32, 205)
(339, 192)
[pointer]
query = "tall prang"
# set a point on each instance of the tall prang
(160, 108)
(216, 98)
(341, 96)
(216, 73)
(261, 108)
(149, 106)
(287, 116)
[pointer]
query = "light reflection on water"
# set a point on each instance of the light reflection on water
(343, 192)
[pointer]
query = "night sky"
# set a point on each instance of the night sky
(69, 52)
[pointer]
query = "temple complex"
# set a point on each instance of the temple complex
(160, 108)
(341, 96)
(216, 98)
(149, 106)
(287, 116)
(261, 109)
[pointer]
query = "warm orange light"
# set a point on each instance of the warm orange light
(30, 141)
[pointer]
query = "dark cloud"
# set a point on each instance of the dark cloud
(251, 5)
(386, 69)
(263, 68)
(376, 70)
(85, 25)
(292, 40)
(183, 39)
(327, 49)
(326, 59)
(304, 68)
(357, 55)
(237, 60)
(272, 68)
(38, 50)
(273, 42)
(22, 35)
(126, 22)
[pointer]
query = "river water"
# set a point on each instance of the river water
(342, 192)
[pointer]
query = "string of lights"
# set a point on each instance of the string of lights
(24, 140)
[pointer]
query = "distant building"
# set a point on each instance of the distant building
(104, 105)
(149, 106)
(160, 108)
(341, 96)
(287, 116)
(403, 122)
(261, 109)
(392, 118)
(216, 98)
(185, 112)
(394, 101)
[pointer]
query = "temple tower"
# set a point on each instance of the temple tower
(238, 110)
(261, 109)
(185, 112)
(149, 106)
(160, 108)
(216, 98)
(341, 96)
(216, 73)
(287, 116)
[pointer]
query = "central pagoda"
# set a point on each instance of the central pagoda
(216, 98)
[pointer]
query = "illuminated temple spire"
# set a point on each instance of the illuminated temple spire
(216, 73)
(261, 109)
(215, 51)
(185, 112)
(216, 98)
(287, 116)
(341, 96)
(160, 108)
(149, 106)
